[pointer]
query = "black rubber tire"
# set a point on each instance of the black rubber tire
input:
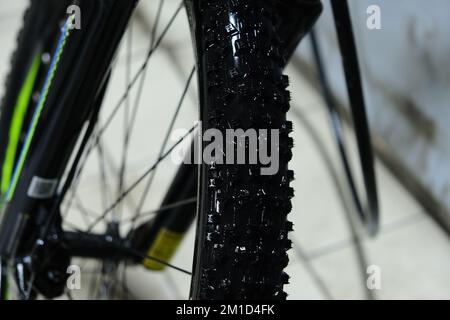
(243, 229)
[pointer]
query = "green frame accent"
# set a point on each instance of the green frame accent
(20, 111)
(34, 122)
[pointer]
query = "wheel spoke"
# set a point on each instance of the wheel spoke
(84, 213)
(96, 137)
(139, 181)
(78, 168)
(82, 208)
(104, 186)
(164, 144)
(141, 70)
(156, 23)
(161, 209)
(139, 254)
(126, 120)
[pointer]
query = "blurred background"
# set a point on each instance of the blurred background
(406, 77)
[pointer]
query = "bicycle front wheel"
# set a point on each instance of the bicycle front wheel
(242, 207)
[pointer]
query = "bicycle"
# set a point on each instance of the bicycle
(51, 116)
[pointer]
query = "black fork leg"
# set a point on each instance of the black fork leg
(177, 219)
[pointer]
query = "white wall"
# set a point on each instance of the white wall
(406, 68)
